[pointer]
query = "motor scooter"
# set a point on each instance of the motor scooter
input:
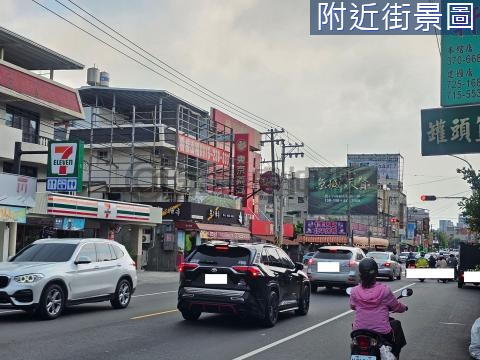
(366, 344)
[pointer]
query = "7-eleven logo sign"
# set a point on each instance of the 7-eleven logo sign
(63, 157)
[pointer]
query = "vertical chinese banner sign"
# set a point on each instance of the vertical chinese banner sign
(241, 167)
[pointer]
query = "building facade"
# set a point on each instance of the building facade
(33, 110)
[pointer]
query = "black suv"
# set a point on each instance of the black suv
(245, 279)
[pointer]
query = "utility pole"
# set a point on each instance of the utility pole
(290, 154)
(272, 140)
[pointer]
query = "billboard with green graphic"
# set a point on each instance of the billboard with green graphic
(330, 190)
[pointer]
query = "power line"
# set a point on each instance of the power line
(315, 156)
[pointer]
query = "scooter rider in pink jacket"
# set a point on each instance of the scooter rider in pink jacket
(372, 303)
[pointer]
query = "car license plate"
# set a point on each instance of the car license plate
(215, 279)
(363, 357)
(328, 267)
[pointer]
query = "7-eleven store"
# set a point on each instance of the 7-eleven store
(67, 216)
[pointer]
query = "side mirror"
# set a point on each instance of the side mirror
(407, 292)
(349, 291)
(298, 266)
(83, 260)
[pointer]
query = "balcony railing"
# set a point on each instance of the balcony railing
(35, 139)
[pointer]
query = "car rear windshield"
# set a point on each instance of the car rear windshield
(220, 256)
(53, 252)
(378, 256)
(333, 254)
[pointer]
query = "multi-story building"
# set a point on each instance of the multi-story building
(444, 225)
(33, 110)
(419, 226)
(151, 147)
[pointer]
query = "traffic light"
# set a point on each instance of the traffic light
(428, 198)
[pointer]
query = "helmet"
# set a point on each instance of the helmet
(410, 253)
(422, 254)
(368, 267)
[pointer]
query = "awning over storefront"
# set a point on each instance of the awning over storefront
(59, 205)
(271, 239)
(334, 239)
(216, 232)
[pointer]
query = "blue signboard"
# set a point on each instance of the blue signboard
(68, 223)
(410, 231)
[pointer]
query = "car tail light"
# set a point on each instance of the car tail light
(387, 264)
(187, 266)
(461, 274)
(311, 261)
(352, 263)
(221, 248)
(332, 250)
(252, 270)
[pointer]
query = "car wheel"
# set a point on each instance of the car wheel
(304, 301)
(391, 278)
(122, 296)
(271, 310)
(191, 315)
(52, 302)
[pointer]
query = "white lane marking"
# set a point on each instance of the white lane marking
(297, 334)
(157, 293)
(451, 323)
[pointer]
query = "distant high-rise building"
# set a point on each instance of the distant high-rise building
(462, 223)
(444, 225)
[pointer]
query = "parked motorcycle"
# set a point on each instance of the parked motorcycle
(367, 344)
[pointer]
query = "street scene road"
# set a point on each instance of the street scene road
(152, 328)
(228, 180)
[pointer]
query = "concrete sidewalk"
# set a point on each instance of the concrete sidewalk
(157, 277)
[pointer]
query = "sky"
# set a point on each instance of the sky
(361, 93)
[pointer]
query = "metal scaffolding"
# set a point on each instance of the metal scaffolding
(132, 141)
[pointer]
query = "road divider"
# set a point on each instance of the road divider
(304, 331)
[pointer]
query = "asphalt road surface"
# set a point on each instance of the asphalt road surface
(437, 326)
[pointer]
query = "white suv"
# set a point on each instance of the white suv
(50, 274)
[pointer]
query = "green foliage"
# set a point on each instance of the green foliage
(442, 239)
(471, 206)
(298, 229)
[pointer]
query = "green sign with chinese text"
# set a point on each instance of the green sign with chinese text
(460, 74)
(452, 130)
(329, 192)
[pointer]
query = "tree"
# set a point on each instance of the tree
(471, 206)
(298, 229)
(442, 239)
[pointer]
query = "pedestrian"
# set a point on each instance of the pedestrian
(442, 264)
(431, 261)
(452, 262)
